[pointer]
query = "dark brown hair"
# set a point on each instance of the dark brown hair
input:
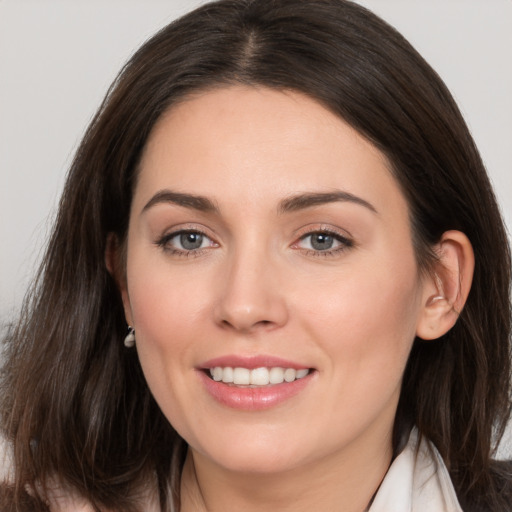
(75, 404)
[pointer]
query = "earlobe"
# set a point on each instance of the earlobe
(446, 290)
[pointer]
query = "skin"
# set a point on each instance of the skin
(257, 286)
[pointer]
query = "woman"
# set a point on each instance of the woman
(281, 212)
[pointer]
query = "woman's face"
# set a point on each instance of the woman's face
(268, 237)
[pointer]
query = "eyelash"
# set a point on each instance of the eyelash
(344, 243)
(164, 243)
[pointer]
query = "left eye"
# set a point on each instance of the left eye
(189, 241)
(322, 241)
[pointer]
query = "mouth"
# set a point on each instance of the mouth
(256, 377)
(255, 382)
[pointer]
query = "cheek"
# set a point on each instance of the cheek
(164, 300)
(167, 308)
(366, 332)
(366, 319)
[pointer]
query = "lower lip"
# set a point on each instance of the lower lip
(256, 398)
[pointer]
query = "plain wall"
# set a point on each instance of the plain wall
(57, 58)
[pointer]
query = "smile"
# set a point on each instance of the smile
(255, 382)
(256, 376)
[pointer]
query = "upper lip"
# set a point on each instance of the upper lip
(251, 362)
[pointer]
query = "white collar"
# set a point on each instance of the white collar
(417, 481)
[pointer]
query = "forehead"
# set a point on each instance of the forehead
(252, 145)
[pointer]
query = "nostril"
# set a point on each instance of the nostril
(245, 324)
(248, 327)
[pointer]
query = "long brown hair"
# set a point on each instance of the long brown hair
(75, 404)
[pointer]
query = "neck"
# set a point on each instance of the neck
(346, 480)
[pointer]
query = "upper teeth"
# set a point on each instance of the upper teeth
(256, 377)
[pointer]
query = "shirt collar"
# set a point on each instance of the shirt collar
(417, 480)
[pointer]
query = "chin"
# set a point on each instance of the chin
(254, 454)
(262, 463)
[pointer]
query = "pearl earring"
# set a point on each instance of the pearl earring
(129, 341)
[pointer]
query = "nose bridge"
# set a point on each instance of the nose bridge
(250, 294)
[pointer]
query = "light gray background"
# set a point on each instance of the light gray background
(57, 58)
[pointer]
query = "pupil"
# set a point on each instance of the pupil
(321, 242)
(191, 241)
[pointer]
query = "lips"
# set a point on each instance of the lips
(253, 383)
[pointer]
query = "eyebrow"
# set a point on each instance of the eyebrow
(200, 203)
(290, 204)
(309, 200)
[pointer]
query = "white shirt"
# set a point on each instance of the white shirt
(417, 481)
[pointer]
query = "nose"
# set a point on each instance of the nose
(251, 297)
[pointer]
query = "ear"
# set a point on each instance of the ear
(114, 261)
(446, 289)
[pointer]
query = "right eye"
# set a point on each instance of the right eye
(185, 242)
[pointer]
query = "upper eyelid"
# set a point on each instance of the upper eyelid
(187, 228)
(323, 228)
(325, 231)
